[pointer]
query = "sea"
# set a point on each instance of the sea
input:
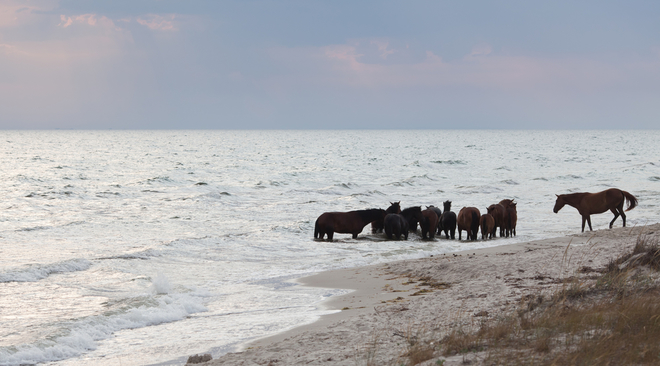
(145, 247)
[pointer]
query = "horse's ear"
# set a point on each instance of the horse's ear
(556, 195)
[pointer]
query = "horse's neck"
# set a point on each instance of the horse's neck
(573, 199)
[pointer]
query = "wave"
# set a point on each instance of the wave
(36, 272)
(415, 179)
(143, 255)
(450, 162)
(80, 336)
(35, 228)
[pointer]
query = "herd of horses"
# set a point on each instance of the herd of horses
(397, 223)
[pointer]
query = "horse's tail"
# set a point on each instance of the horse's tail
(632, 200)
(475, 221)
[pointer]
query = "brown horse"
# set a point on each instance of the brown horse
(594, 203)
(468, 220)
(510, 216)
(428, 223)
(378, 225)
(351, 222)
(499, 215)
(487, 223)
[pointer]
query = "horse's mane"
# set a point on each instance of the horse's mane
(573, 197)
(368, 213)
(412, 209)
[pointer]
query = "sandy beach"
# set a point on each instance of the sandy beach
(426, 298)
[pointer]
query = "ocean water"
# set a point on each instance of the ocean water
(144, 247)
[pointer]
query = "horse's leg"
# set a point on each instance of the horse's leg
(584, 220)
(616, 215)
(459, 234)
(355, 235)
(623, 217)
(453, 234)
(330, 234)
(589, 222)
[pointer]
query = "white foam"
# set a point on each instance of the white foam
(82, 335)
(36, 272)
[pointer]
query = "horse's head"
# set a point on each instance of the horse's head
(559, 203)
(447, 205)
(394, 207)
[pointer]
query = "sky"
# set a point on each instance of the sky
(335, 64)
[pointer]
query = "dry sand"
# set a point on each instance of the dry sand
(425, 298)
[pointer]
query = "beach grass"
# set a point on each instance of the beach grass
(606, 316)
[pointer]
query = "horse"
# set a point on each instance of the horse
(594, 203)
(351, 222)
(428, 224)
(397, 225)
(511, 216)
(487, 223)
(447, 221)
(413, 215)
(468, 220)
(498, 212)
(438, 212)
(377, 226)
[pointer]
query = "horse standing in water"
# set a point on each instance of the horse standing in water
(447, 221)
(510, 217)
(413, 215)
(487, 223)
(377, 226)
(468, 220)
(499, 215)
(351, 222)
(438, 212)
(395, 225)
(428, 223)
(594, 203)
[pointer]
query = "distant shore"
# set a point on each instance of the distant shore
(395, 301)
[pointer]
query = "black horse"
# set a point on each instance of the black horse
(351, 222)
(447, 221)
(397, 225)
(413, 215)
(377, 226)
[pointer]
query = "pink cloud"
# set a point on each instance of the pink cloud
(484, 69)
(91, 20)
(383, 48)
(158, 22)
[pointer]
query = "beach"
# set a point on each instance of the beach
(395, 302)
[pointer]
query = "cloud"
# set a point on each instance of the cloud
(15, 13)
(159, 22)
(91, 20)
(383, 48)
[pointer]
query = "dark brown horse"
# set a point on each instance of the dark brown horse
(428, 223)
(395, 226)
(351, 222)
(510, 217)
(594, 203)
(413, 215)
(468, 220)
(377, 226)
(487, 223)
(499, 215)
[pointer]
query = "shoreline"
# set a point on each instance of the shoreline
(430, 294)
